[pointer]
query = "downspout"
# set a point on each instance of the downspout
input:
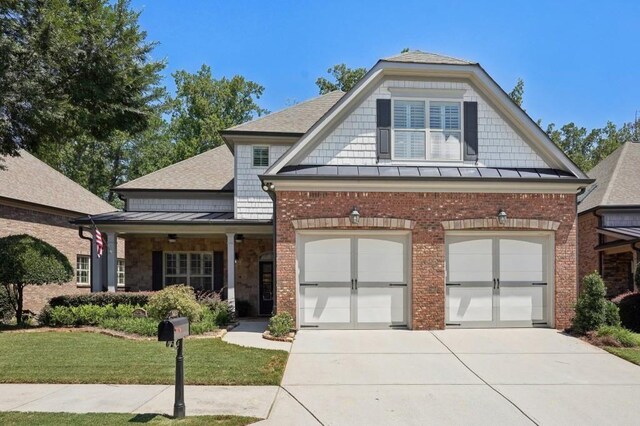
(578, 194)
(600, 241)
(81, 235)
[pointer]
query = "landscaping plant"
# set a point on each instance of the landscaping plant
(25, 260)
(101, 299)
(626, 338)
(629, 306)
(280, 324)
(179, 298)
(592, 309)
(220, 309)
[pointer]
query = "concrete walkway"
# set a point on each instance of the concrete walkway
(254, 401)
(249, 333)
(493, 377)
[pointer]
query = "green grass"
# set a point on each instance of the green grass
(14, 418)
(51, 357)
(627, 338)
(630, 354)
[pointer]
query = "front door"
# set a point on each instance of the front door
(349, 281)
(498, 281)
(266, 287)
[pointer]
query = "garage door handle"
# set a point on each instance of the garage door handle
(308, 285)
(452, 284)
(397, 285)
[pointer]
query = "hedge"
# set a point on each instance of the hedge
(101, 299)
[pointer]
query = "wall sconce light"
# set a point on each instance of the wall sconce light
(173, 238)
(239, 238)
(502, 217)
(354, 216)
(268, 186)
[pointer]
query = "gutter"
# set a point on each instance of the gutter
(426, 178)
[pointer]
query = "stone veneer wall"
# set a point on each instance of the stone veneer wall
(429, 211)
(57, 231)
(140, 248)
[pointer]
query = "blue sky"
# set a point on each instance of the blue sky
(580, 60)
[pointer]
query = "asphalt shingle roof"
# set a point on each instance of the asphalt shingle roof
(617, 180)
(419, 57)
(27, 179)
(209, 171)
(296, 119)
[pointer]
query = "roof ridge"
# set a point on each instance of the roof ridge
(286, 109)
(24, 151)
(428, 53)
(170, 166)
(614, 175)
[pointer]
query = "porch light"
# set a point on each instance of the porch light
(354, 216)
(173, 238)
(502, 217)
(239, 238)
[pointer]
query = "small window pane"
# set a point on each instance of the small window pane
(260, 156)
(444, 115)
(120, 272)
(182, 264)
(409, 114)
(445, 146)
(196, 264)
(82, 269)
(171, 264)
(207, 264)
(409, 144)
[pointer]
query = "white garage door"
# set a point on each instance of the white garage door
(498, 281)
(348, 281)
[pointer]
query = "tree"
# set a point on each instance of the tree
(72, 70)
(517, 93)
(25, 260)
(344, 79)
(593, 309)
(204, 106)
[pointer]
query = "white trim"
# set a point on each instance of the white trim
(426, 186)
(488, 87)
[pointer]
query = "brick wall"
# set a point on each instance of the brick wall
(428, 250)
(617, 273)
(57, 231)
(588, 258)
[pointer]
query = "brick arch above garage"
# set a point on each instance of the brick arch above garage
(492, 223)
(345, 223)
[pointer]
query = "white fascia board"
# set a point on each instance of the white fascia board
(360, 185)
(184, 229)
(474, 72)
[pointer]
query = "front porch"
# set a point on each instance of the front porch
(209, 251)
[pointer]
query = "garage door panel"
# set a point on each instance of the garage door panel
(470, 260)
(325, 305)
(381, 304)
(522, 259)
(381, 260)
(319, 253)
(469, 304)
(520, 303)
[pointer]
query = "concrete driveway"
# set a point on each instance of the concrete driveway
(509, 376)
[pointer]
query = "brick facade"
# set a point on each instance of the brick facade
(139, 251)
(617, 272)
(588, 257)
(429, 210)
(54, 228)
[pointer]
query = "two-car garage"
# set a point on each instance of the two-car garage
(362, 279)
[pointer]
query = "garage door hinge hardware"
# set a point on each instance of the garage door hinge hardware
(308, 326)
(450, 284)
(397, 285)
(538, 283)
(308, 284)
(452, 323)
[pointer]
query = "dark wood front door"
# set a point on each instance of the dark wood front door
(266, 288)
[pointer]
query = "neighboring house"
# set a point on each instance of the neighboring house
(609, 220)
(422, 198)
(37, 200)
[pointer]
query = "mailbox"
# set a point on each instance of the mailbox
(173, 329)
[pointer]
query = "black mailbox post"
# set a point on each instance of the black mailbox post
(172, 331)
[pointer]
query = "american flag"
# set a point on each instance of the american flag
(99, 243)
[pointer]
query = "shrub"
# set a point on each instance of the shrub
(141, 326)
(611, 314)
(221, 310)
(591, 307)
(625, 337)
(101, 299)
(280, 324)
(176, 297)
(61, 316)
(25, 260)
(68, 316)
(629, 305)
(6, 308)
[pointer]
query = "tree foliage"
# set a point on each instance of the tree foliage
(343, 78)
(72, 70)
(204, 105)
(593, 309)
(517, 93)
(25, 260)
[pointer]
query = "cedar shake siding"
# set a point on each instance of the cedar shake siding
(429, 210)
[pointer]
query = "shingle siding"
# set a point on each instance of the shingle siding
(354, 140)
(180, 205)
(251, 202)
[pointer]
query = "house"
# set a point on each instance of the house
(423, 198)
(609, 220)
(37, 200)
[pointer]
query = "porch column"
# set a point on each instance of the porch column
(96, 268)
(231, 269)
(112, 261)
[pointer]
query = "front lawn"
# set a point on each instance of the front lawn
(59, 357)
(630, 354)
(14, 418)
